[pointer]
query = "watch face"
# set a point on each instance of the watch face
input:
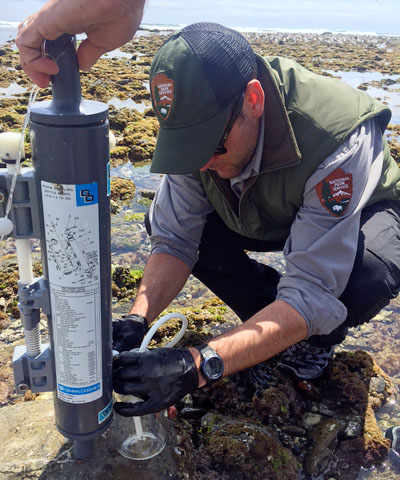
(213, 368)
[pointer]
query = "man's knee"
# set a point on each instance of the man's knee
(374, 281)
(375, 278)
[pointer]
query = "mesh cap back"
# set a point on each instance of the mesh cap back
(226, 57)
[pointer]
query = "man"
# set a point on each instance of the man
(260, 154)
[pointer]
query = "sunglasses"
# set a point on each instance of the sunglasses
(221, 150)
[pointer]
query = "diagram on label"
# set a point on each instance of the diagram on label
(71, 224)
(71, 248)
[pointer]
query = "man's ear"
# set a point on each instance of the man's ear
(254, 99)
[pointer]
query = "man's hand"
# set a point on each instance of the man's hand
(129, 332)
(108, 24)
(161, 377)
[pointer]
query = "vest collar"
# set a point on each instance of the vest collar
(280, 146)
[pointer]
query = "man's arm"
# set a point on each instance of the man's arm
(162, 376)
(268, 332)
(163, 278)
(108, 24)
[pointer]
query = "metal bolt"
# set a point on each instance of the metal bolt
(22, 386)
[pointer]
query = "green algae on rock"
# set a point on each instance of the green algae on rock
(343, 436)
(122, 189)
(125, 282)
(241, 449)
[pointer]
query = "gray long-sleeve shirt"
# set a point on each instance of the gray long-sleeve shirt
(322, 245)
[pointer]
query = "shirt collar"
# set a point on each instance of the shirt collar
(253, 166)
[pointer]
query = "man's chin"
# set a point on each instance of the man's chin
(225, 175)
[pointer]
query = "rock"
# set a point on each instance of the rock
(389, 81)
(192, 413)
(286, 440)
(32, 448)
(325, 436)
(150, 194)
(377, 385)
(293, 430)
(376, 447)
(273, 403)
(114, 207)
(353, 428)
(187, 400)
(28, 439)
(325, 410)
(246, 450)
(122, 190)
(311, 419)
(4, 320)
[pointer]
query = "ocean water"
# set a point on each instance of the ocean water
(379, 16)
(8, 29)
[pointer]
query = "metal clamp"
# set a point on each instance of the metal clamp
(33, 373)
(34, 296)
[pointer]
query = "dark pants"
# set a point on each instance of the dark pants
(247, 286)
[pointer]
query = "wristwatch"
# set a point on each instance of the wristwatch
(212, 366)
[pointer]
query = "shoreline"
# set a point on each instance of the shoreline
(8, 31)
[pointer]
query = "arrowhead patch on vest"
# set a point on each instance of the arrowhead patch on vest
(162, 89)
(335, 192)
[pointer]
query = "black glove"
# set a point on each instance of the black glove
(129, 332)
(161, 377)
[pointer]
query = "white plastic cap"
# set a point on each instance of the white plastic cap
(6, 226)
(9, 145)
(112, 140)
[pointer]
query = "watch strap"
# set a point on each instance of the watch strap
(206, 351)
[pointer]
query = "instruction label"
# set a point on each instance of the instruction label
(71, 219)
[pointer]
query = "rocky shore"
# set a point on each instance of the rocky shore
(260, 423)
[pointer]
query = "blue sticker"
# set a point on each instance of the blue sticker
(106, 412)
(80, 390)
(87, 194)
(108, 180)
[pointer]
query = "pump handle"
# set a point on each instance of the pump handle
(66, 85)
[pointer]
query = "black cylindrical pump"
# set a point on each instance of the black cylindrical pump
(70, 150)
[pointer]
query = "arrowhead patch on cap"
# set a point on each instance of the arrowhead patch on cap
(162, 89)
(335, 192)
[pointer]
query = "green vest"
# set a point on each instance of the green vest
(307, 117)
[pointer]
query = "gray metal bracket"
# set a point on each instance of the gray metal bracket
(25, 207)
(33, 373)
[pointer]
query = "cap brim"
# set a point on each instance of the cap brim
(186, 150)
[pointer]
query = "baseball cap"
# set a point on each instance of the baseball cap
(195, 79)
